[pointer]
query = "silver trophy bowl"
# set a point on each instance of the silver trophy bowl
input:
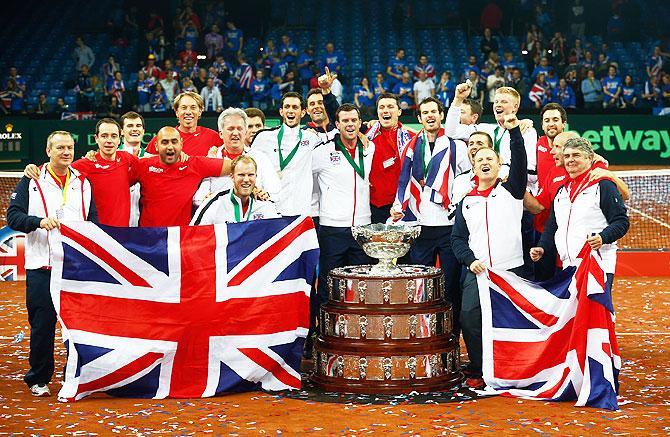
(385, 242)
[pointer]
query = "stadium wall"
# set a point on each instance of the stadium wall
(621, 139)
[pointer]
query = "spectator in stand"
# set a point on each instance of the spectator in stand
(564, 95)
(558, 50)
(477, 91)
(113, 109)
(424, 66)
(223, 69)
(42, 106)
(288, 51)
(108, 70)
(592, 91)
(243, 76)
(493, 82)
(143, 92)
(542, 18)
(214, 13)
(155, 23)
(577, 51)
(279, 69)
(488, 44)
(118, 89)
(158, 99)
(587, 63)
(405, 91)
(577, 19)
(380, 85)
(605, 50)
(187, 86)
(163, 49)
(190, 16)
(492, 62)
(602, 66)
(655, 63)
(151, 70)
(423, 88)
(364, 99)
(260, 90)
(539, 92)
(611, 88)
(551, 80)
(82, 54)
(615, 27)
(14, 74)
(214, 42)
(12, 98)
(61, 106)
(85, 94)
(333, 60)
(268, 52)
(396, 67)
(305, 63)
(628, 93)
(211, 96)
(543, 67)
(200, 81)
(445, 89)
(188, 53)
(170, 86)
(234, 41)
(291, 83)
(471, 65)
(190, 33)
(651, 95)
(508, 64)
(665, 90)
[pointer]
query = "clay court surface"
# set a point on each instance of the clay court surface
(643, 325)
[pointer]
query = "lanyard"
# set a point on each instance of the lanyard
(496, 139)
(425, 163)
(57, 179)
(284, 162)
(238, 209)
(360, 168)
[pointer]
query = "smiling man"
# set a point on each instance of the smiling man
(289, 149)
(236, 205)
(487, 233)
(197, 140)
(168, 185)
(233, 125)
(434, 162)
(390, 138)
(38, 206)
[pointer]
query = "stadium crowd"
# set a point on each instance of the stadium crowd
(202, 50)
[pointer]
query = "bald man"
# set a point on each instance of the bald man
(168, 185)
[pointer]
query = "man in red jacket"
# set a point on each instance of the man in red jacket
(390, 139)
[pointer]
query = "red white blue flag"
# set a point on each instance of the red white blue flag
(12, 255)
(183, 311)
(553, 340)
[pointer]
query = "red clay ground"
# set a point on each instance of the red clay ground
(643, 308)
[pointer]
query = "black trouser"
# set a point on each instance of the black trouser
(545, 267)
(527, 241)
(313, 303)
(42, 319)
(434, 241)
(471, 321)
(380, 214)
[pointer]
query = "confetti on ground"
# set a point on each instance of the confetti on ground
(643, 324)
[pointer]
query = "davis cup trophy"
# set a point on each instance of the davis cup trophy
(386, 328)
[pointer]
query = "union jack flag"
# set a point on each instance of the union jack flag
(12, 255)
(183, 311)
(553, 340)
(439, 179)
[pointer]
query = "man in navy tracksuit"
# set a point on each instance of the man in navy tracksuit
(487, 233)
(38, 206)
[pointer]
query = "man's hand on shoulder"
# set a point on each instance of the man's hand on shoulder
(32, 171)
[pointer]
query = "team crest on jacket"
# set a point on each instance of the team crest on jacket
(335, 157)
(257, 216)
(304, 143)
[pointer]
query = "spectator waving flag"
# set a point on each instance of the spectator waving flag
(183, 311)
(553, 340)
(536, 94)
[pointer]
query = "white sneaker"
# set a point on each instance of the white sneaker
(40, 390)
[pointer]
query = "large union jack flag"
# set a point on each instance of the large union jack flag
(183, 311)
(553, 340)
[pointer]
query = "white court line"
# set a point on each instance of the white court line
(647, 216)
